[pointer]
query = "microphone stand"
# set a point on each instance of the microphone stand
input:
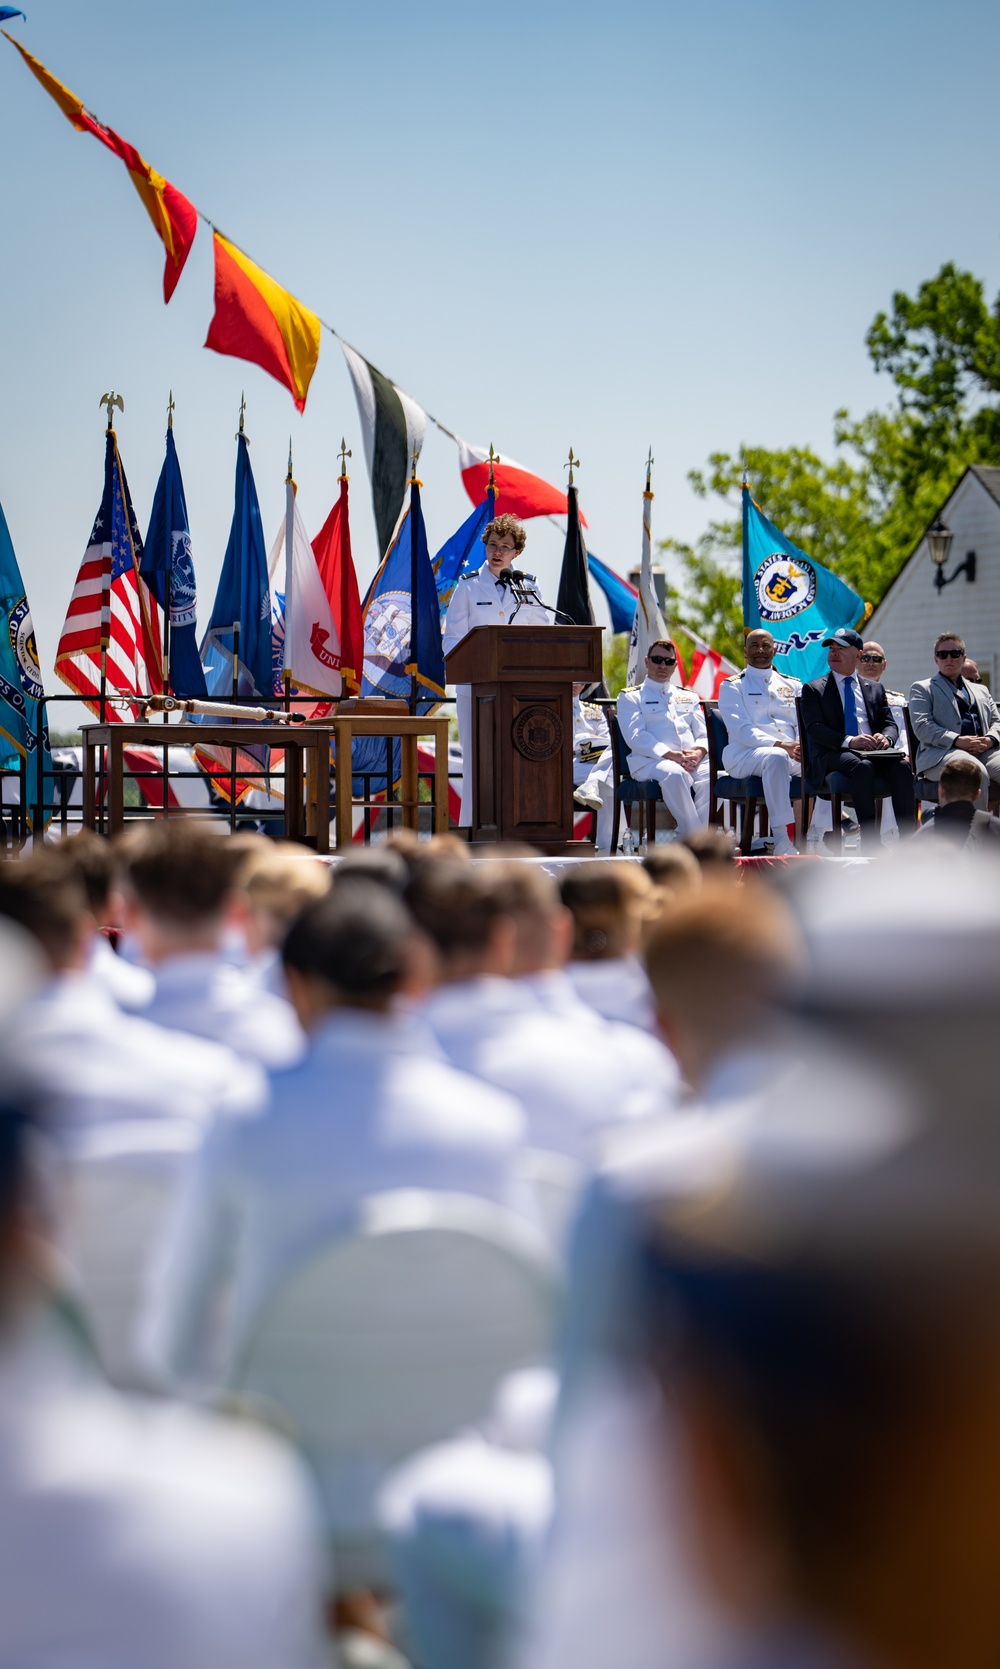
(515, 583)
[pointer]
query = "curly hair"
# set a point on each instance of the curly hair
(507, 525)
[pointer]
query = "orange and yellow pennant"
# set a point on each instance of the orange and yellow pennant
(174, 218)
(256, 319)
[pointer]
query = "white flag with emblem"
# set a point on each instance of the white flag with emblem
(312, 647)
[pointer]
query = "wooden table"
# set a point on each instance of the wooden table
(409, 729)
(306, 748)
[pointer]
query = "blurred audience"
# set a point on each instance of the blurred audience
(958, 818)
(278, 880)
(673, 868)
(609, 903)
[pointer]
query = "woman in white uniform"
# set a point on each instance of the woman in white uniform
(483, 599)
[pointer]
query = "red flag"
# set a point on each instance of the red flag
(332, 550)
(518, 491)
(174, 218)
(256, 319)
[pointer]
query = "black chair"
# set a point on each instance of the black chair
(836, 788)
(746, 792)
(628, 791)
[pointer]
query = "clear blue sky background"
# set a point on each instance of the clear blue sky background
(551, 223)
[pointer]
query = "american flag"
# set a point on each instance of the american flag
(111, 605)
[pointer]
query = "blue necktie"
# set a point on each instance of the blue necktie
(850, 709)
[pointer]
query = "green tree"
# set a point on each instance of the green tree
(862, 513)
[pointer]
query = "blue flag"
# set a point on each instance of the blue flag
(621, 596)
(463, 552)
(795, 598)
(244, 595)
(22, 698)
(168, 570)
(394, 650)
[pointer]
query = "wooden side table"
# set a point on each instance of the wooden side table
(409, 729)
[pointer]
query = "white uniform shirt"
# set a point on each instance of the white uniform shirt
(617, 988)
(91, 1065)
(480, 600)
(129, 984)
(590, 728)
(373, 1105)
(139, 1535)
(202, 993)
(660, 718)
(649, 1075)
(564, 1074)
(758, 710)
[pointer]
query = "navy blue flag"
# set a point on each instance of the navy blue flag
(10, 11)
(403, 641)
(463, 552)
(22, 698)
(168, 570)
(244, 595)
(620, 594)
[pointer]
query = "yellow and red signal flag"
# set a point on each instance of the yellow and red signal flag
(256, 319)
(174, 218)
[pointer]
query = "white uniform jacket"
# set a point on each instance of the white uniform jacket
(758, 710)
(481, 600)
(590, 730)
(658, 719)
(202, 993)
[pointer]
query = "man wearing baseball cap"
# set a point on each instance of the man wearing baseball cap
(849, 724)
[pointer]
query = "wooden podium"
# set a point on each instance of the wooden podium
(522, 681)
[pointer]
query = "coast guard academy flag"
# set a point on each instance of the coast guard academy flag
(794, 597)
(244, 596)
(463, 553)
(21, 692)
(112, 617)
(392, 427)
(168, 570)
(403, 634)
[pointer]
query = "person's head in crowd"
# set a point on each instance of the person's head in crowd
(382, 865)
(758, 649)
(279, 879)
(971, 672)
(961, 779)
(91, 860)
(505, 539)
(871, 661)
(949, 655)
(718, 962)
(45, 895)
(543, 926)
(414, 851)
(460, 907)
(673, 868)
(181, 890)
(351, 949)
(609, 903)
(714, 851)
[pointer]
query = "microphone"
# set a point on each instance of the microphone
(512, 577)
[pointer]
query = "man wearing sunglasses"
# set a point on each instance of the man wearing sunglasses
(952, 717)
(757, 707)
(664, 730)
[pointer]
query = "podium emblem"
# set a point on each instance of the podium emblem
(537, 733)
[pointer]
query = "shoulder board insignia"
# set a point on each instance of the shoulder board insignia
(896, 695)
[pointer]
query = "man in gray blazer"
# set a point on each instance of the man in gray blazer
(952, 718)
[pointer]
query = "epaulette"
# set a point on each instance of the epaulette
(590, 707)
(895, 695)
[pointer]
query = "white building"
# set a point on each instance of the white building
(913, 611)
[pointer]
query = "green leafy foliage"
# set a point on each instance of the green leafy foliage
(615, 661)
(862, 512)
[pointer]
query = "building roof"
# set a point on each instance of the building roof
(989, 475)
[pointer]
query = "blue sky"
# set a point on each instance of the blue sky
(551, 223)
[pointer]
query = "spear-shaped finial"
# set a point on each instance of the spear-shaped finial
(571, 464)
(650, 461)
(243, 410)
(111, 400)
(746, 478)
(344, 454)
(494, 459)
(170, 409)
(413, 462)
(288, 477)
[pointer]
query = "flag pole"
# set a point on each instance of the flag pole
(111, 400)
(289, 536)
(414, 485)
(167, 586)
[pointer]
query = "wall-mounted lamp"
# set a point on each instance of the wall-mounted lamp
(939, 540)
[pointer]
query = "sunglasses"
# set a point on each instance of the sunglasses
(878, 659)
(950, 654)
(662, 660)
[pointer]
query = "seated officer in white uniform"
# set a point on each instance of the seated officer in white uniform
(483, 599)
(372, 1106)
(664, 730)
(757, 707)
(135, 1532)
(180, 894)
(593, 765)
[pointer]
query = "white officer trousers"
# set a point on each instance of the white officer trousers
(776, 769)
(677, 786)
(601, 782)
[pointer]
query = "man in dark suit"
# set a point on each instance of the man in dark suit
(848, 723)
